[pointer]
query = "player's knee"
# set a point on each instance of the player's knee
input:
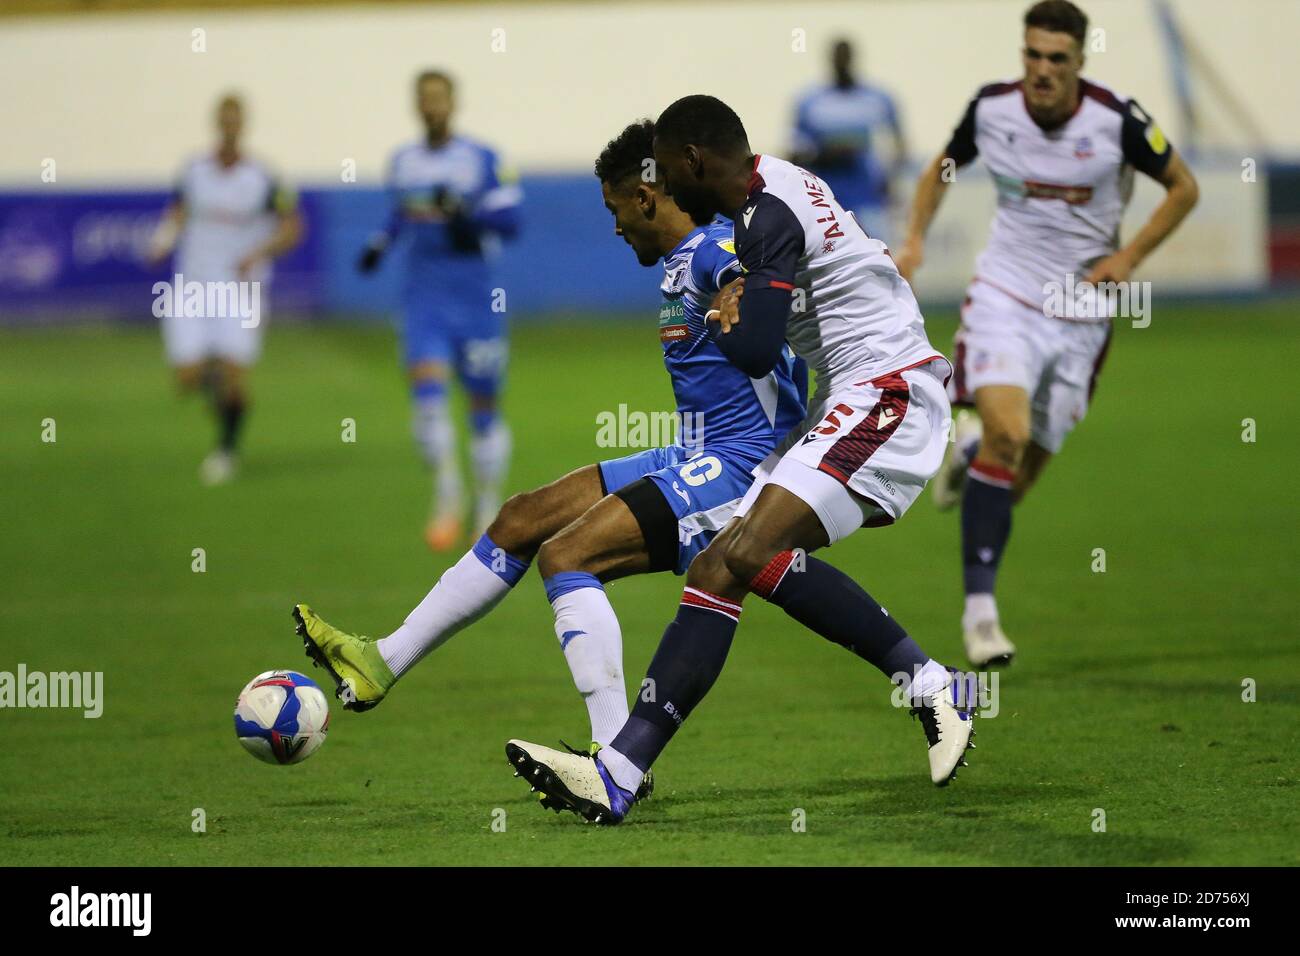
(563, 552)
(514, 527)
(747, 553)
(708, 570)
(189, 377)
(1005, 442)
(427, 374)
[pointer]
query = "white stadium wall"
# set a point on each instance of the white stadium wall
(118, 100)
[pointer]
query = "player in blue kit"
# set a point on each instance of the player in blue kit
(653, 510)
(453, 204)
(839, 131)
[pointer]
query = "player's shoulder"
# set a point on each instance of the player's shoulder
(1000, 94)
(476, 147)
(1114, 105)
(775, 180)
(1103, 96)
(259, 166)
(810, 94)
(720, 234)
(998, 90)
(713, 249)
(780, 193)
(411, 147)
(197, 164)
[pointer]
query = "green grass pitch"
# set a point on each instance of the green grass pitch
(1127, 697)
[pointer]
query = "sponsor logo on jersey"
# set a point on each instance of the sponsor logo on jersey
(1083, 148)
(672, 322)
(1028, 189)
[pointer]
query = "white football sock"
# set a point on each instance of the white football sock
(592, 641)
(490, 457)
(437, 440)
(465, 592)
(625, 773)
(979, 608)
(930, 679)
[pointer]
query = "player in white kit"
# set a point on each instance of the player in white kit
(1062, 151)
(229, 218)
(874, 436)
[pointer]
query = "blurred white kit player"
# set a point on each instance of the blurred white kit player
(228, 220)
(1036, 323)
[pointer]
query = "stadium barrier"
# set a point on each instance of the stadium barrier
(76, 255)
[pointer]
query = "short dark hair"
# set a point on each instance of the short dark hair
(1059, 16)
(435, 75)
(703, 121)
(626, 154)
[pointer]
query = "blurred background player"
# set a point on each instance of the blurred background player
(455, 203)
(838, 131)
(229, 219)
(1062, 151)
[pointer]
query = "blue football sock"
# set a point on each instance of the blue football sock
(689, 659)
(985, 525)
(828, 602)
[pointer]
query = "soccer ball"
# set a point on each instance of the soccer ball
(281, 717)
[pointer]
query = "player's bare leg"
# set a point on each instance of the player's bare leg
(224, 382)
(986, 516)
(189, 377)
(488, 571)
(364, 669)
(1032, 464)
(436, 437)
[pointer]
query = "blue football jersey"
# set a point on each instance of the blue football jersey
(453, 201)
(718, 403)
(839, 126)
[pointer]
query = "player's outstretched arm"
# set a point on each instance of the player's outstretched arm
(289, 230)
(1181, 194)
(930, 189)
(163, 241)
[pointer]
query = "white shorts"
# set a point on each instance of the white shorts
(864, 454)
(190, 339)
(1005, 341)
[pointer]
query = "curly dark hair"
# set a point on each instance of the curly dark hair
(626, 154)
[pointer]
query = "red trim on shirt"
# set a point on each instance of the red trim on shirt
(756, 181)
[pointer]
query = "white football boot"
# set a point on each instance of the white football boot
(576, 778)
(948, 718)
(986, 645)
(947, 485)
